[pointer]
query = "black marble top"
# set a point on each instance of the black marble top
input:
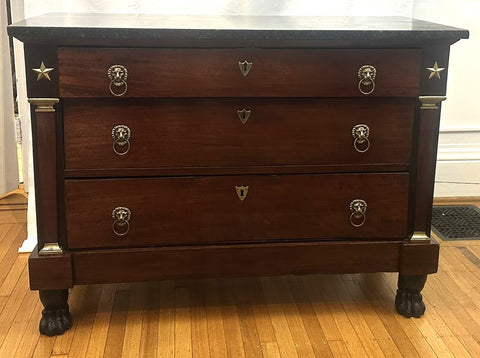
(121, 27)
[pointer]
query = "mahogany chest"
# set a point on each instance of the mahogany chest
(224, 146)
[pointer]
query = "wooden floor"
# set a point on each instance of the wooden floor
(308, 316)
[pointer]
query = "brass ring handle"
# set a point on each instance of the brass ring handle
(122, 83)
(118, 75)
(360, 133)
(116, 143)
(357, 143)
(121, 139)
(121, 216)
(362, 82)
(366, 76)
(120, 223)
(358, 215)
(358, 224)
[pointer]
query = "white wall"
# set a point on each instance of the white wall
(458, 166)
(8, 147)
(24, 113)
(232, 7)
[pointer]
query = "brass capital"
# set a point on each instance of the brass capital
(44, 104)
(51, 248)
(419, 236)
(430, 102)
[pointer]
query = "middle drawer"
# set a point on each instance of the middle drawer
(159, 133)
(227, 209)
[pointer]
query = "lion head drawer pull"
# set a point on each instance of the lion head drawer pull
(121, 217)
(118, 80)
(360, 133)
(245, 67)
(358, 209)
(366, 76)
(121, 139)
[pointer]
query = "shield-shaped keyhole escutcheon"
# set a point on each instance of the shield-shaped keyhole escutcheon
(245, 67)
(242, 192)
(243, 115)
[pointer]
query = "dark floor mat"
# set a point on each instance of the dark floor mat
(456, 222)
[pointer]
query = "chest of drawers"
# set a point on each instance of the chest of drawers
(221, 146)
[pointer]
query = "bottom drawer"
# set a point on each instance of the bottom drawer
(228, 209)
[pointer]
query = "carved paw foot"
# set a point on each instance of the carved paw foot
(408, 301)
(55, 322)
(409, 304)
(56, 318)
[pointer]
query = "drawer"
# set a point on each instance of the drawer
(229, 209)
(217, 72)
(210, 132)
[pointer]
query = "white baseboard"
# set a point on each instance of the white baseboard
(458, 163)
(28, 245)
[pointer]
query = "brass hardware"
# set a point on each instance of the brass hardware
(435, 71)
(121, 139)
(50, 248)
(360, 133)
(366, 76)
(430, 102)
(118, 75)
(419, 236)
(43, 72)
(121, 216)
(243, 115)
(245, 67)
(43, 104)
(358, 209)
(242, 192)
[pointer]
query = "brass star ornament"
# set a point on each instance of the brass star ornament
(43, 72)
(435, 70)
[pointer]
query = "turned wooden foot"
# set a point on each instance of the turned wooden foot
(409, 302)
(56, 317)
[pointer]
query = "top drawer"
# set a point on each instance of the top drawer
(218, 72)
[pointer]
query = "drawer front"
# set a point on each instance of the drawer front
(212, 133)
(199, 210)
(218, 72)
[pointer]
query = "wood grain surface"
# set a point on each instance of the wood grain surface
(150, 264)
(177, 133)
(216, 73)
(200, 210)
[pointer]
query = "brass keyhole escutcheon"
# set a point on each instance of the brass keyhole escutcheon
(360, 133)
(243, 115)
(121, 139)
(118, 75)
(366, 76)
(121, 216)
(242, 192)
(245, 67)
(358, 212)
